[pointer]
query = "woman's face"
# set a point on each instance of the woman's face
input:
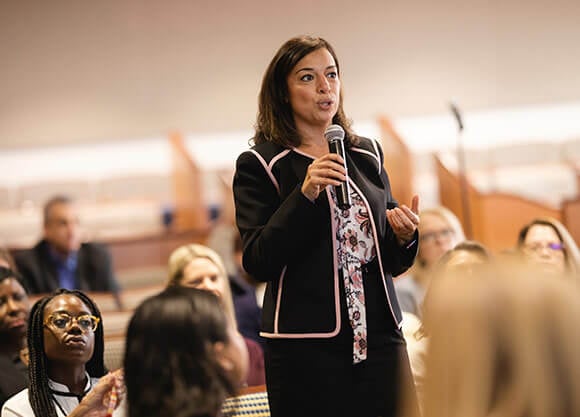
(543, 246)
(436, 238)
(203, 274)
(14, 309)
(68, 330)
(314, 90)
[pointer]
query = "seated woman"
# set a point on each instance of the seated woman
(198, 266)
(14, 310)
(65, 341)
(439, 231)
(183, 355)
(547, 243)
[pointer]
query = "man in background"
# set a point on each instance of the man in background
(61, 260)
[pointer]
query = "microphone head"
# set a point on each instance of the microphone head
(334, 132)
(456, 114)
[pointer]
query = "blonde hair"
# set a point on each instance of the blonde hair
(419, 268)
(572, 254)
(184, 255)
(502, 344)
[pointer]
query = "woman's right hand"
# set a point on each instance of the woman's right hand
(326, 170)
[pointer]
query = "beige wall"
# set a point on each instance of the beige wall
(84, 71)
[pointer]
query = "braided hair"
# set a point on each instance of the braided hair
(39, 394)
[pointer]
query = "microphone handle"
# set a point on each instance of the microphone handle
(342, 190)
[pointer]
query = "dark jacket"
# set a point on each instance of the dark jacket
(94, 269)
(288, 240)
(13, 377)
(246, 307)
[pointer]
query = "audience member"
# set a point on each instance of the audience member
(183, 355)
(546, 242)
(439, 231)
(243, 287)
(465, 259)
(500, 346)
(60, 260)
(198, 266)
(14, 310)
(65, 341)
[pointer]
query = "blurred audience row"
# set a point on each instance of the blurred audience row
(491, 335)
(52, 355)
(487, 334)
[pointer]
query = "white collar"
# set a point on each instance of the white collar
(59, 389)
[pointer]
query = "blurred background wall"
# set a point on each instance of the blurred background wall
(75, 71)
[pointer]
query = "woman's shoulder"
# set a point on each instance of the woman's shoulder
(267, 153)
(368, 148)
(366, 144)
(18, 405)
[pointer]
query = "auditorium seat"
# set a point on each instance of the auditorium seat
(114, 352)
(252, 403)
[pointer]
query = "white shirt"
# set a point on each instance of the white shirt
(19, 405)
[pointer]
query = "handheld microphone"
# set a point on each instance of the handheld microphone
(334, 134)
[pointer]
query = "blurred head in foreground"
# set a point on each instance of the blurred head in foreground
(502, 345)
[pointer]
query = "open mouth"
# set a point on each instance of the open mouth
(326, 104)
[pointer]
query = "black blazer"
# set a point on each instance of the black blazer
(94, 269)
(288, 239)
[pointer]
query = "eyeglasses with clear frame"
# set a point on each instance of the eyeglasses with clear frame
(63, 321)
(444, 234)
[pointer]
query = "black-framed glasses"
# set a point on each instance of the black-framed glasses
(538, 247)
(64, 321)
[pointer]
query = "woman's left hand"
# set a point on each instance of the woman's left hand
(98, 401)
(404, 220)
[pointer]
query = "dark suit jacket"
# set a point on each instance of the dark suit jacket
(13, 377)
(94, 269)
(288, 240)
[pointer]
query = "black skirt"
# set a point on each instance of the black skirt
(316, 377)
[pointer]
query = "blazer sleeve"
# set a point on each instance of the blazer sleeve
(272, 229)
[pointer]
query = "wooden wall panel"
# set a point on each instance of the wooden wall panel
(496, 218)
(190, 209)
(398, 162)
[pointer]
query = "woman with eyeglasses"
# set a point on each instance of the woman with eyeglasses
(547, 243)
(439, 232)
(65, 341)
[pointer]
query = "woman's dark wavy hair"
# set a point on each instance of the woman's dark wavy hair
(169, 366)
(39, 393)
(275, 121)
